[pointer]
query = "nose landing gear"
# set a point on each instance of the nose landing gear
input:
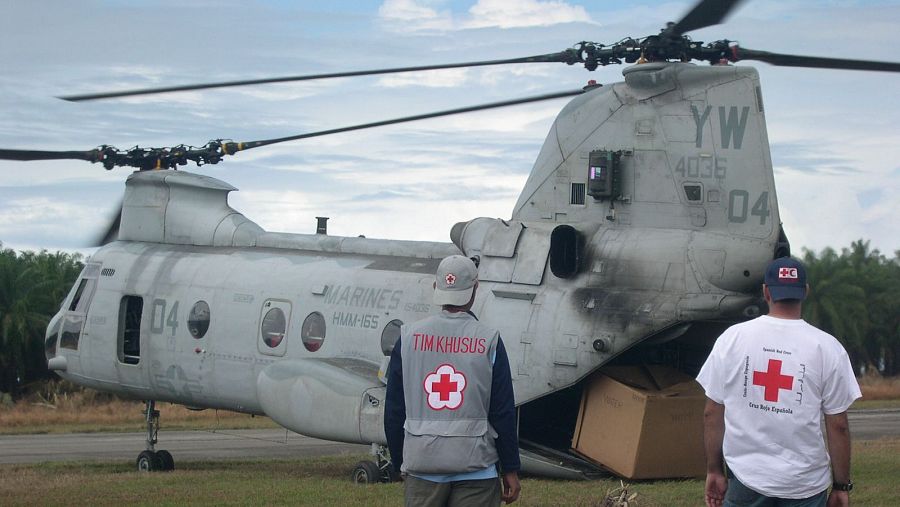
(152, 460)
(371, 472)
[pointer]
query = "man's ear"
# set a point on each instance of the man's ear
(766, 295)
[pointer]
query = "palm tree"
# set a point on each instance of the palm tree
(19, 320)
(837, 302)
(31, 289)
(855, 296)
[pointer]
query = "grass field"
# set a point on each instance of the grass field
(118, 415)
(324, 481)
(61, 407)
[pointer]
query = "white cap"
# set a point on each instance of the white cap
(455, 281)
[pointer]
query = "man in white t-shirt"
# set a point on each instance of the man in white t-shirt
(768, 382)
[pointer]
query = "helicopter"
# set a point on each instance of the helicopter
(643, 229)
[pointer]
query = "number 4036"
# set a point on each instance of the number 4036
(739, 208)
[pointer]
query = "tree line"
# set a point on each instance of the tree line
(855, 296)
(32, 286)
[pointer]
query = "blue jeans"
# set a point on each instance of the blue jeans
(739, 495)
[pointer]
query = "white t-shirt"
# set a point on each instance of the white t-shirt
(776, 377)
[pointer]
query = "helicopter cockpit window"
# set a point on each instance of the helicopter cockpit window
(313, 331)
(78, 294)
(50, 340)
(273, 327)
(389, 336)
(74, 318)
(693, 192)
(198, 320)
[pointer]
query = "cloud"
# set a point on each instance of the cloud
(446, 78)
(524, 13)
(412, 16)
(535, 119)
(47, 221)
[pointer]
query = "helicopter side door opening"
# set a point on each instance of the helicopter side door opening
(130, 315)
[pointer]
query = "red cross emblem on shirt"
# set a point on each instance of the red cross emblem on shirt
(444, 388)
(789, 273)
(772, 380)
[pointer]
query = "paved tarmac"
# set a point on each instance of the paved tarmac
(267, 443)
(184, 445)
(874, 424)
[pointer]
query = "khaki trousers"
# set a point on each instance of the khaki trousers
(479, 493)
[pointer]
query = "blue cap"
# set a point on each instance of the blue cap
(786, 279)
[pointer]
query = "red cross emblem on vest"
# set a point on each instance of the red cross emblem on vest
(772, 380)
(444, 388)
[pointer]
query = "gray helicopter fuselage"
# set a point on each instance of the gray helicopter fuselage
(679, 232)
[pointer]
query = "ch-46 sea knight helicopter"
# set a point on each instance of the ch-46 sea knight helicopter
(642, 231)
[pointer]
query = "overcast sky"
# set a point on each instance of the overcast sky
(834, 135)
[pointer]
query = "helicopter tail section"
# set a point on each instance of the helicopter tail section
(676, 147)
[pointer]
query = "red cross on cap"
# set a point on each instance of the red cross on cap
(788, 273)
(450, 278)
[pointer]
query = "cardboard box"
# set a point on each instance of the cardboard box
(642, 422)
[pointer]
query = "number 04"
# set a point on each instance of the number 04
(738, 202)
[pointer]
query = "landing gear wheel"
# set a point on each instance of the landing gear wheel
(166, 461)
(148, 461)
(383, 462)
(365, 472)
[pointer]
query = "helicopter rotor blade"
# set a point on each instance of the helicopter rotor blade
(563, 56)
(110, 233)
(27, 155)
(214, 151)
(705, 13)
(813, 62)
(406, 119)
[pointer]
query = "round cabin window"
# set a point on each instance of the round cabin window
(198, 320)
(313, 331)
(389, 336)
(273, 326)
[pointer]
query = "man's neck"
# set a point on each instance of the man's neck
(787, 311)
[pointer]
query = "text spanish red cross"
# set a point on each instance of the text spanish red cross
(772, 380)
(444, 387)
